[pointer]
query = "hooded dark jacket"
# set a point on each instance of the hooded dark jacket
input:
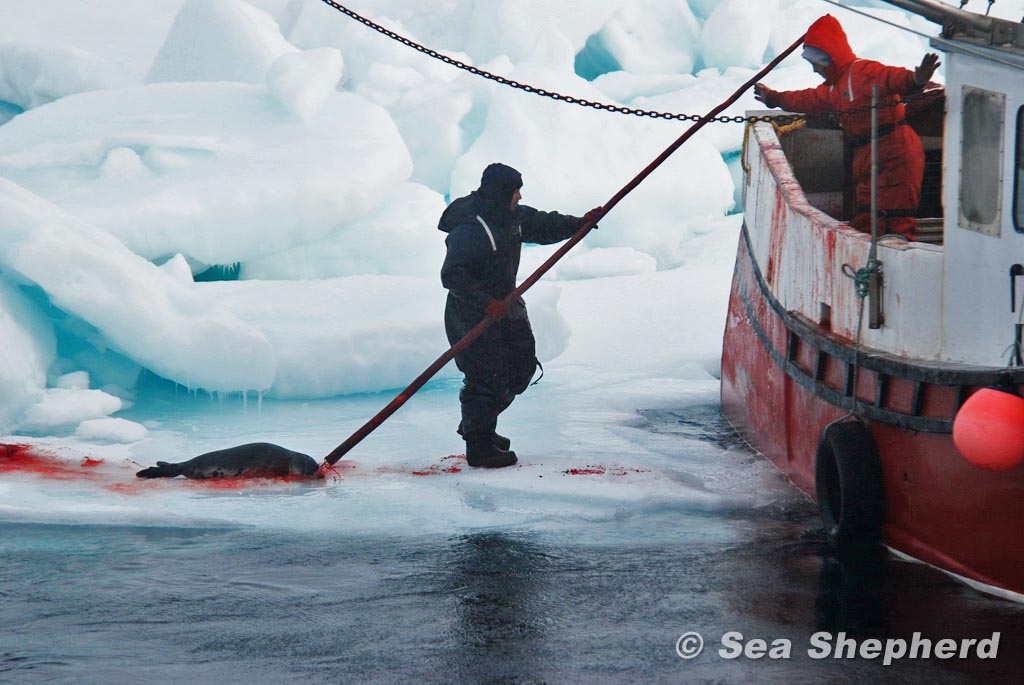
(484, 245)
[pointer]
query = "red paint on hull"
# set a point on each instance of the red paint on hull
(940, 509)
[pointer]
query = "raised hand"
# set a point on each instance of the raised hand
(769, 97)
(924, 72)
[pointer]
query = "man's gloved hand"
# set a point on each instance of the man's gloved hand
(924, 72)
(592, 216)
(769, 97)
(496, 309)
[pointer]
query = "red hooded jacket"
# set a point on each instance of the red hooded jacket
(848, 82)
(848, 86)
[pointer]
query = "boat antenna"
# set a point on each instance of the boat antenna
(990, 3)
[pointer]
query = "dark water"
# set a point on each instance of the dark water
(135, 604)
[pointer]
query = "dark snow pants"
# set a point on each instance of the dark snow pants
(497, 366)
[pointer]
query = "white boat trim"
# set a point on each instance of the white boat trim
(976, 584)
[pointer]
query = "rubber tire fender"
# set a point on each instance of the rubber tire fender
(848, 485)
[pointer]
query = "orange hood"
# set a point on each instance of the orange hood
(827, 34)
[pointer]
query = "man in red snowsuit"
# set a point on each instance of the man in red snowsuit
(848, 82)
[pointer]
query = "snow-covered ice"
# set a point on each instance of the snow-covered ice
(220, 172)
(219, 40)
(735, 36)
(29, 349)
(111, 430)
(399, 237)
(31, 76)
(654, 38)
(131, 304)
(303, 82)
(76, 380)
(62, 408)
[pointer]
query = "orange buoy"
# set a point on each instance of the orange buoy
(989, 429)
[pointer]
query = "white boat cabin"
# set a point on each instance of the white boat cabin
(947, 297)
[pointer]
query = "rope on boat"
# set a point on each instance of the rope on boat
(861, 278)
(743, 150)
(781, 129)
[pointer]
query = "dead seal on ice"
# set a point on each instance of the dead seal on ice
(255, 460)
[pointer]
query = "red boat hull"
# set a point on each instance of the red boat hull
(939, 508)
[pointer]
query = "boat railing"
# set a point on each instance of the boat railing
(800, 246)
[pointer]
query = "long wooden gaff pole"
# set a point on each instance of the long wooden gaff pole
(403, 397)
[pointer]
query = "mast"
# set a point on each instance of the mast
(964, 25)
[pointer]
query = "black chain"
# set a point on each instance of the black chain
(618, 109)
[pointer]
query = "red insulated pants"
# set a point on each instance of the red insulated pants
(900, 172)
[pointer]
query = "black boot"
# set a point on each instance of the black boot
(482, 453)
(500, 441)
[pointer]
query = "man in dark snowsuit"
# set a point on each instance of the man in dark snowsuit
(486, 230)
(848, 82)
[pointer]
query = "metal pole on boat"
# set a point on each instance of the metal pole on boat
(875, 317)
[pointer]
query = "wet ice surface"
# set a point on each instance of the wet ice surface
(524, 575)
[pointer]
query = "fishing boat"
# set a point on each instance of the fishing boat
(855, 398)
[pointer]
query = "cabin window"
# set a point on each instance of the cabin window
(1018, 183)
(981, 159)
